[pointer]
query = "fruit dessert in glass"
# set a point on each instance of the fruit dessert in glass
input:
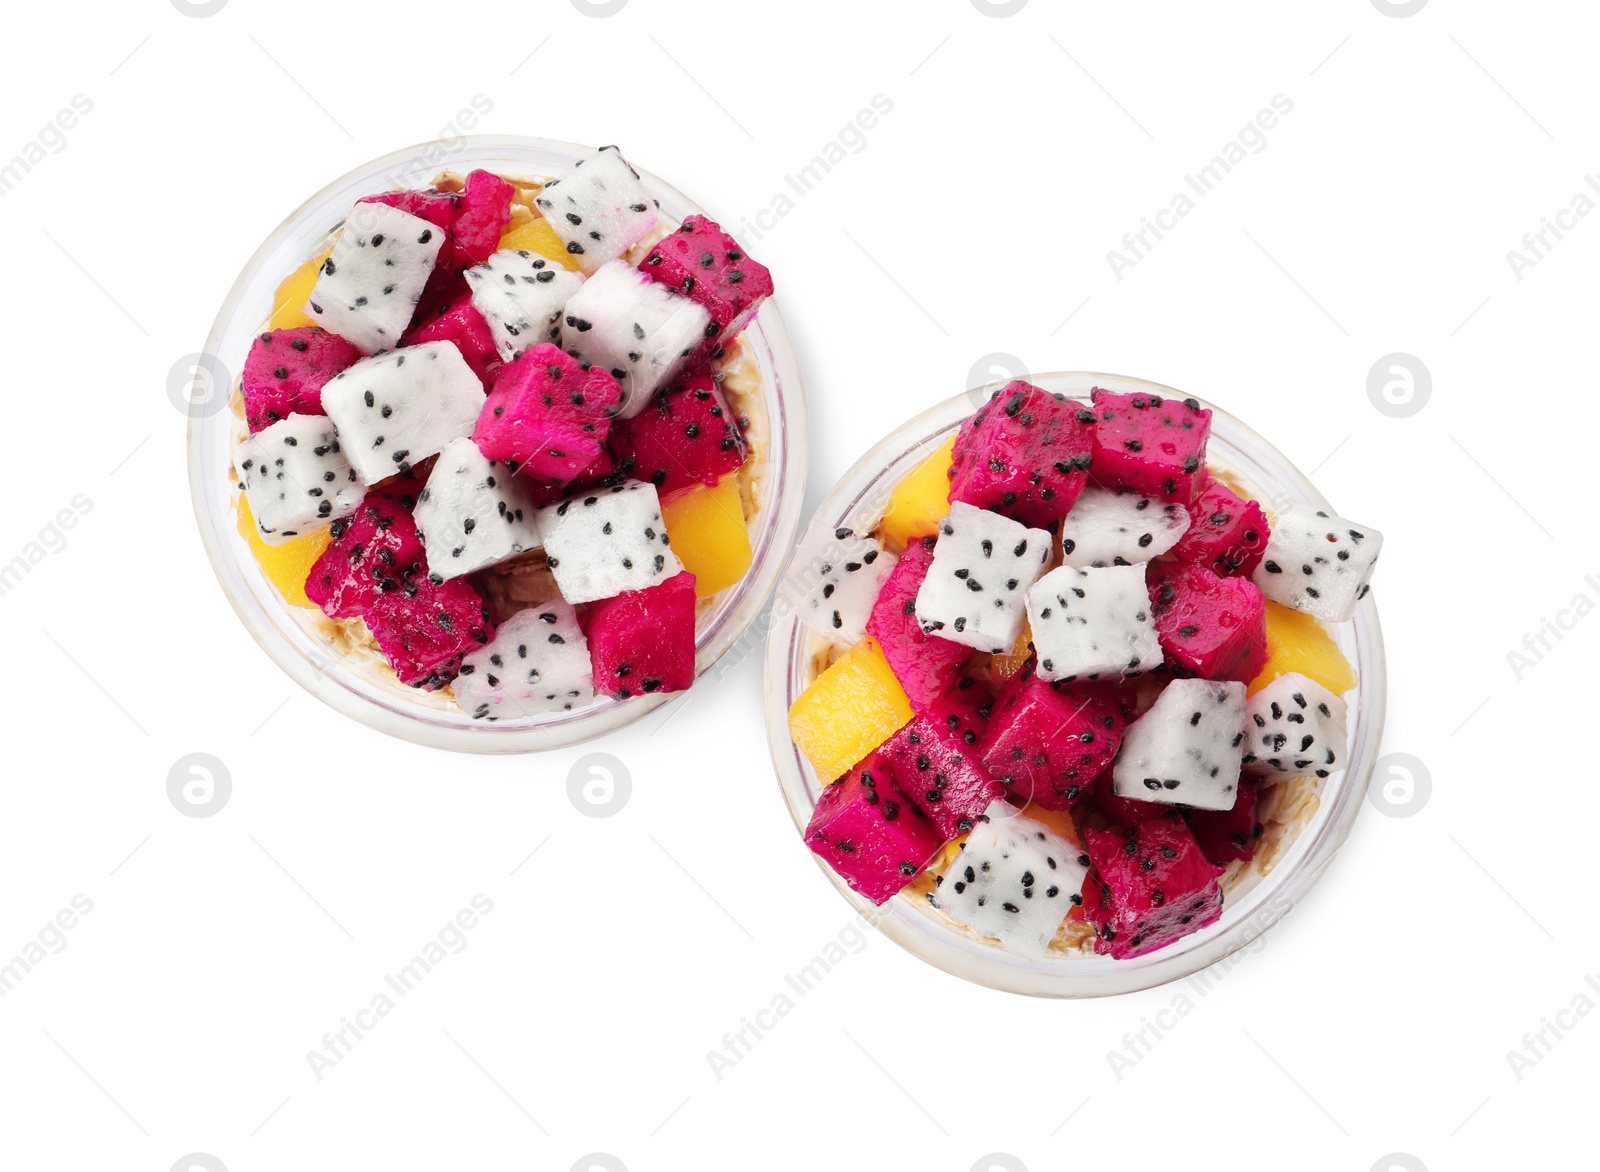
(506, 435)
(1068, 684)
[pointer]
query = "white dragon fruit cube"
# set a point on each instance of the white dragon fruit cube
(472, 513)
(296, 477)
(537, 662)
(983, 566)
(598, 208)
(839, 583)
(639, 330)
(1318, 563)
(1106, 528)
(521, 295)
(1296, 726)
(1187, 749)
(1093, 622)
(397, 409)
(372, 280)
(1014, 881)
(606, 542)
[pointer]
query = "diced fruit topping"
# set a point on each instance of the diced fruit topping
(1210, 627)
(536, 235)
(1149, 445)
(1226, 532)
(850, 709)
(371, 282)
(473, 513)
(871, 833)
(537, 662)
(685, 435)
(458, 323)
(485, 210)
(709, 534)
(926, 665)
(1047, 744)
(840, 583)
(1124, 811)
(1108, 528)
(1154, 887)
(1187, 749)
(1092, 623)
(598, 208)
(1296, 726)
(1014, 881)
(424, 629)
(396, 409)
(938, 760)
(521, 296)
(296, 477)
(289, 301)
(708, 266)
(642, 641)
(286, 564)
(1297, 642)
(920, 501)
(1318, 563)
(622, 321)
(285, 372)
(547, 417)
(373, 551)
(1228, 835)
(1025, 454)
(607, 542)
(983, 566)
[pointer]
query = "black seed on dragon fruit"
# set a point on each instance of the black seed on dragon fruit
(983, 566)
(1092, 623)
(598, 208)
(1024, 454)
(1106, 528)
(537, 662)
(521, 296)
(425, 628)
(607, 541)
(1048, 743)
(1186, 750)
(473, 513)
(687, 434)
(1228, 835)
(835, 583)
(870, 832)
(705, 264)
(394, 410)
(642, 332)
(1013, 881)
(1150, 445)
(372, 280)
(285, 372)
(937, 759)
(1318, 563)
(374, 551)
(1295, 726)
(296, 477)
(1151, 886)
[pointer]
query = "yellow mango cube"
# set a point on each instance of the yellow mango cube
(1297, 642)
(1003, 667)
(288, 565)
(707, 529)
(920, 501)
(537, 236)
(289, 302)
(849, 710)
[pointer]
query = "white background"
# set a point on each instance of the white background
(976, 219)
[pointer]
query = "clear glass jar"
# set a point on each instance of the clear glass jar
(1252, 906)
(290, 635)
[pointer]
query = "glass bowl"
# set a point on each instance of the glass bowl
(1256, 902)
(289, 635)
